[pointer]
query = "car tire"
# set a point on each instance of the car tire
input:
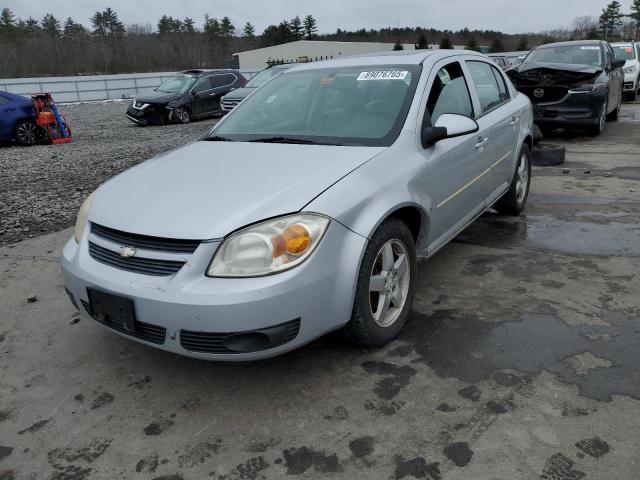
(546, 155)
(613, 116)
(182, 115)
(598, 128)
(514, 201)
(393, 283)
(26, 133)
(537, 134)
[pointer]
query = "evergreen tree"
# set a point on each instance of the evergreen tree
(73, 30)
(472, 44)
(189, 25)
(211, 27)
(635, 16)
(610, 19)
(445, 43)
(51, 26)
(7, 21)
(227, 29)
(310, 27)
(249, 31)
(297, 30)
(423, 43)
(523, 44)
(496, 44)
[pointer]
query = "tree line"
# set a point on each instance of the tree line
(52, 46)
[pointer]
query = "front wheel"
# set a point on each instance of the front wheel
(386, 286)
(514, 201)
(182, 115)
(598, 127)
(613, 116)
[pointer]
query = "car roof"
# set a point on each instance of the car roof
(569, 43)
(208, 70)
(14, 96)
(402, 57)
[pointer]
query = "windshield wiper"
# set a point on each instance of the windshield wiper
(300, 141)
(217, 138)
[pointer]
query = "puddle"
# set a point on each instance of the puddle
(546, 232)
(460, 345)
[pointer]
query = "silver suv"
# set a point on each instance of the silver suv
(630, 53)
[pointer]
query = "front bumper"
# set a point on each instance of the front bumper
(317, 294)
(152, 115)
(631, 82)
(574, 110)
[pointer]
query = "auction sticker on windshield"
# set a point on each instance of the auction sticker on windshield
(384, 75)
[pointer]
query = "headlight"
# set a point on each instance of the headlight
(81, 221)
(269, 247)
(588, 88)
(631, 69)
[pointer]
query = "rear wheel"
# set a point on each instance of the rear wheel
(386, 286)
(598, 127)
(613, 116)
(513, 202)
(26, 133)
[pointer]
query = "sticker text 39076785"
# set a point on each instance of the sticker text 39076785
(383, 75)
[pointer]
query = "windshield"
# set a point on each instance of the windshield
(570, 54)
(262, 77)
(177, 84)
(364, 105)
(624, 52)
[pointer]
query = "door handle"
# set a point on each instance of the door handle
(481, 142)
(514, 121)
(212, 94)
(9, 109)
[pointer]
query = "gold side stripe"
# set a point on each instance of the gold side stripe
(467, 185)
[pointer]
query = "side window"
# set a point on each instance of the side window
(4, 100)
(486, 85)
(222, 80)
(449, 93)
(609, 54)
(502, 86)
(202, 85)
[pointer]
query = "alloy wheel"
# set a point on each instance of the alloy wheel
(27, 133)
(389, 283)
(182, 114)
(522, 179)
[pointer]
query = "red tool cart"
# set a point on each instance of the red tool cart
(54, 127)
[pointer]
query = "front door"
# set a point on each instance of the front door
(200, 97)
(454, 170)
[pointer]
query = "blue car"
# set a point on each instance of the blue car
(17, 119)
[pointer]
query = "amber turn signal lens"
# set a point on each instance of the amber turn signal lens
(297, 239)
(279, 246)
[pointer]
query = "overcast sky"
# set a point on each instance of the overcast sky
(511, 16)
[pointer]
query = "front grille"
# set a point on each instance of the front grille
(146, 266)
(145, 241)
(207, 342)
(143, 331)
(230, 104)
(549, 93)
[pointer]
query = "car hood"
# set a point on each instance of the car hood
(239, 94)
(536, 73)
(207, 190)
(157, 97)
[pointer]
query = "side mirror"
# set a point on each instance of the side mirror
(193, 93)
(448, 125)
(617, 64)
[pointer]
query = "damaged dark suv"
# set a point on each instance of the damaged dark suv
(572, 84)
(186, 96)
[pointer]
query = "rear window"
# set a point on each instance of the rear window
(624, 52)
(590, 55)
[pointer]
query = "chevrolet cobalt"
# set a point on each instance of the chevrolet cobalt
(303, 211)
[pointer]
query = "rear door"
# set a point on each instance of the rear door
(499, 124)
(221, 84)
(453, 165)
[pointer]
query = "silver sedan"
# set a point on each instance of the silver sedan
(303, 211)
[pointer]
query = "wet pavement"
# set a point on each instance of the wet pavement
(519, 362)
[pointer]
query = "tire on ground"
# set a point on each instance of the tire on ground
(545, 155)
(362, 329)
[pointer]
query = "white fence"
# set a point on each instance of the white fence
(90, 88)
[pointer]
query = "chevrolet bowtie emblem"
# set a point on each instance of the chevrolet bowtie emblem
(127, 252)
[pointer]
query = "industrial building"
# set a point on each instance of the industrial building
(311, 50)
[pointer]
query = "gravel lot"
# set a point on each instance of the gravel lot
(519, 361)
(42, 187)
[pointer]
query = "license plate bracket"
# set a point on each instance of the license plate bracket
(112, 309)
